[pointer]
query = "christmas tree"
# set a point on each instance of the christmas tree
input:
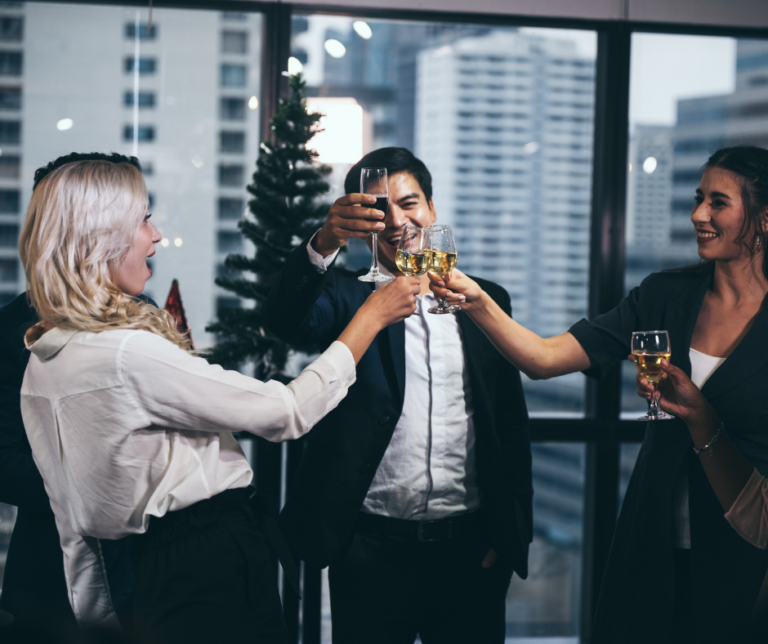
(281, 213)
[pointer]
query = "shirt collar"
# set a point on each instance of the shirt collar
(51, 342)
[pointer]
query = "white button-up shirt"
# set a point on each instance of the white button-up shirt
(124, 425)
(428, 470)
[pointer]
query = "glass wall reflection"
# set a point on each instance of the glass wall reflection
(182, 96)
(689, 96)
(503, 118)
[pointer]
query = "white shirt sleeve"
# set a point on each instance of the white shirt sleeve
(320, 262)
(86, 576)
(177, 390)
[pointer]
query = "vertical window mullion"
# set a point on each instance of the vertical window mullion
(609, 184)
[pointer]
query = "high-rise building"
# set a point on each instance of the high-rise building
(504, 122)
(181, 95)
(649, 203)
(708, 123)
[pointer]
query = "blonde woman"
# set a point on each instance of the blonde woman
(132, 433)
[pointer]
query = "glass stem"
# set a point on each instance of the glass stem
(375, 250)
(654, 410)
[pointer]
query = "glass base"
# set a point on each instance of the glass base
(375, 276)
(661, 416)
(442, 311)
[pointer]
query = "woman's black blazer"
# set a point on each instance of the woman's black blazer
(637, 596)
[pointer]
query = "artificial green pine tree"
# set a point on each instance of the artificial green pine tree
(282, 212)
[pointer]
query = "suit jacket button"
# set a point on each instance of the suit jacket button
(365, 467)
(383, 420)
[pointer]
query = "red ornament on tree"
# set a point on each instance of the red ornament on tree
(174, 306)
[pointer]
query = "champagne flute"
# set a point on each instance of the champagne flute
(374, 182)
(414, 251)
(648, 350)
(442, 261)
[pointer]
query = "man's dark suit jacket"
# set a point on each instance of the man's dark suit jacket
(344, 450)
(33, 584)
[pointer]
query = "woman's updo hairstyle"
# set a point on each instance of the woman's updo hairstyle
(750, 165)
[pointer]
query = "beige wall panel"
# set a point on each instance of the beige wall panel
(732, 13)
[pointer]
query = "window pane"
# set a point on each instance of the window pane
(144, 31)
(9, 235)
(231, 208)
(9, 271)
(145, 99)
(234, 42)
(503, 118)
(10, 98)
(689, 96)
(9, 201)
(10, 132)
(10, 63)
(547, 604)
(233, 75)
(231, 141)
(146, 65)
(70, 75)
(229, 242)
(232, 109)
(10, 167)
(231, 175)
(11, 29)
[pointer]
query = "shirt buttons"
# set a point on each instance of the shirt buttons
(383, 420)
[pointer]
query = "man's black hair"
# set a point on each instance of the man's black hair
(43, 172)
(394, 160)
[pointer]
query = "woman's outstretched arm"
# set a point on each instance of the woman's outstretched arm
(538, 358)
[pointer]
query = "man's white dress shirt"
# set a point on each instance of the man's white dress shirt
(124, 425)
(428, 470)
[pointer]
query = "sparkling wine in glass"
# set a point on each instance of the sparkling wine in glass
(414, 251)
(649, 348)
(374, 182)
(442, 261)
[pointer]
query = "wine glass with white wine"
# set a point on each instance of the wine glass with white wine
(649, 348)
(442, 261)
(413, 251)
(374, 182)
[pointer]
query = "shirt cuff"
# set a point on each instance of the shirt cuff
(318, 261)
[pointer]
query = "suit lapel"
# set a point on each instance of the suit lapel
(684, 321)
(473, 339)
(749, 356)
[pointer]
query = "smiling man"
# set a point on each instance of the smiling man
(417, 488)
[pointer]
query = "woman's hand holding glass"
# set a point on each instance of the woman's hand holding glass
(456, 288)
(675, 393)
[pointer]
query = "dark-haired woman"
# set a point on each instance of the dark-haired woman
(677, 571)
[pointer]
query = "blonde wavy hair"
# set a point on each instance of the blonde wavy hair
(82, 220)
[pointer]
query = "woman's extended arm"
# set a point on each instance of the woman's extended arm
(176, 390)
(538, 358)
(726, 468)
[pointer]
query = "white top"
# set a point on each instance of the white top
(124, 425)
(702, 367)
(428, 471)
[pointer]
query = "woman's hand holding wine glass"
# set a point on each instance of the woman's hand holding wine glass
(675, 392)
